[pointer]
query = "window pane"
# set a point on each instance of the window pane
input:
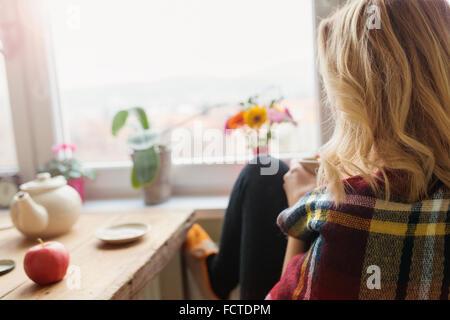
(8, 158)
(176, 57)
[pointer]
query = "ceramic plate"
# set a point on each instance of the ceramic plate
(6, 266)
(122, 233)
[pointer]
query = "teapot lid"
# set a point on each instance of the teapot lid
(44, 182)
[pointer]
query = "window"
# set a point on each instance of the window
(176, 58)
(8, 161)
(74, 63)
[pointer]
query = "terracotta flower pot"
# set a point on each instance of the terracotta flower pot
(78, 184)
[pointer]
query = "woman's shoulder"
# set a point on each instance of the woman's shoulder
(362, 201)
(356, 187)
(306, 218)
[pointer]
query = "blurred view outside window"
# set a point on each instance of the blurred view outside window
(8, 160)
(176, 58)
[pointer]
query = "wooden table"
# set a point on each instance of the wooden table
(106, 271)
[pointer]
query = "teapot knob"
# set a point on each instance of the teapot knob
(43, 176)
(21, 194)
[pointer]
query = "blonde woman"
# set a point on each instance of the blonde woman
(380, 228)
(379, 225)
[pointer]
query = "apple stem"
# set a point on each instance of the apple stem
(40, 241)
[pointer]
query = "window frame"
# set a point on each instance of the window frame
(37, 117)
(34, 109)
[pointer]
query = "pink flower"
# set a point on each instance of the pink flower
(287, 112)
(275, 116)
(289, 115)
(63, 146)
(71, 146)
(56, 149)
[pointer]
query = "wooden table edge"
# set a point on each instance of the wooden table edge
(137, 282)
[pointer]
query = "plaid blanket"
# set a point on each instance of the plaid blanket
(367, 247)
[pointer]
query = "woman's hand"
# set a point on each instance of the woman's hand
(297, 182)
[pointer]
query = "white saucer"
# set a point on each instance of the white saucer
(122, 233)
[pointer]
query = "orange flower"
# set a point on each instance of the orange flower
(236, 121)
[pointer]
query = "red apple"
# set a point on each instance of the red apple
(47, 262)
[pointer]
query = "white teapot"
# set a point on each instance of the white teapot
(45, 207)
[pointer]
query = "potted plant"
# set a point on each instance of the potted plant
(151, 159)
(65, 165)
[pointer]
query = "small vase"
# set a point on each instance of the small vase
(78, 184)
(261, 150)
(160, 189)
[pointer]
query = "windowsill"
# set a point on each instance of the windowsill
(207, 204)
(199, 180)
(196, 203)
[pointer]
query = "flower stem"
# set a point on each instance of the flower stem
(257, 142)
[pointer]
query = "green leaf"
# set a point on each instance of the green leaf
(61, 168)
(91, 174)
(146, 167)
(119, 121)
(134, 180)
(142, 117)
(74, 175)
(142, 140)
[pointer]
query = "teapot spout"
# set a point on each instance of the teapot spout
(27, 216)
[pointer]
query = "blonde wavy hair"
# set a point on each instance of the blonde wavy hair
(389, 92)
